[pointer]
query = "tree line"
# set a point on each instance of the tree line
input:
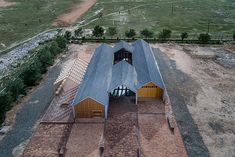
(164, 35)
(29, 72)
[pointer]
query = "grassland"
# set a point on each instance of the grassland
(191, 16)
(28, 18)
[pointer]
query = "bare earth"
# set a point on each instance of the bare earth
(74, 14)
(211, 101)
(4, 3)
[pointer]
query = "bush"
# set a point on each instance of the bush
(54, 48)
(16, 87)
(32, 73)
(5, 104)
(130, 34)
(184, 35)
(78, 32)
(98, 31)
(61, 41)
(234, 36)
(45, 57)
(147, 33)
(204, 38)
(112, 31)
(164, 34)
(67, 35)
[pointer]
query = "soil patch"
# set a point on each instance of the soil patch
(74, 14)
(4, 3)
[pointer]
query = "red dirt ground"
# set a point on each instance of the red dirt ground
(74, 14)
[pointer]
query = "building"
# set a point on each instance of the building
(122, 70)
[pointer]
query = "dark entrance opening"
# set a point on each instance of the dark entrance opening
(122, 55)
(122, 91)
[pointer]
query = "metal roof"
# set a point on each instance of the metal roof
(146, 65)
(122, 45)
(123, 74)
(102, 76)
(96, 81)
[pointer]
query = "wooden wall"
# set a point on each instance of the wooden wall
(89, 108)
(150, 91)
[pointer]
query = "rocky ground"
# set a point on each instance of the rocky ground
(200, 83)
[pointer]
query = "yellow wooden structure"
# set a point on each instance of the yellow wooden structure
(89, 108)
(150, 91)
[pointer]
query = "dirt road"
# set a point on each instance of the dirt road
(74, 14)
(202, 90)
(4, 3)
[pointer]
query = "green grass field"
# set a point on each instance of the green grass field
(191, 16)
(29, 17)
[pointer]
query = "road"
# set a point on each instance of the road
(28, 115)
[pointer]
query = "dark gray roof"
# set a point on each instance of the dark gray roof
(102, 76)
(124, 74)
(96, 81)
(123, 45)
(145, 64)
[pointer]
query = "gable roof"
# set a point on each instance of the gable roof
(122, 45)
(96, 80)
(102, 76)
(124, 74)
(145, 64)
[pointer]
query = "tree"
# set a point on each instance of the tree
(112, 31)
(31, 73)
(5, 103)
(164, 34)
(204, 38)
(98, 31)
(54, 48)
(184, 35)
(234, 35)
(16, 87)
(147, 33)
(61, 41)
(78, 32)
(130, 34)
(67, 35)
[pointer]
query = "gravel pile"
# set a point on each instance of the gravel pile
(22, 50)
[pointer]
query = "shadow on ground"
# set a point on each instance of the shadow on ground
(179, 87)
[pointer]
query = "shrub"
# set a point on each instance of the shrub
(164, 34)
(234, 35)
(204, 38)
(184, 35)
(54, 48)
(78, 32)
(130, 34)
(67, 35)
(16, 87)
(98, 31)
(5, 104)
(147, 33)
(112, 31)
(32, 73)
(61, 41)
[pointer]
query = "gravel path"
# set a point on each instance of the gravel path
(176, 83)
(31, 111)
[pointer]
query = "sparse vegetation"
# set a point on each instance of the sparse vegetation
(130, 34)
(98, 31)
(147, 33)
